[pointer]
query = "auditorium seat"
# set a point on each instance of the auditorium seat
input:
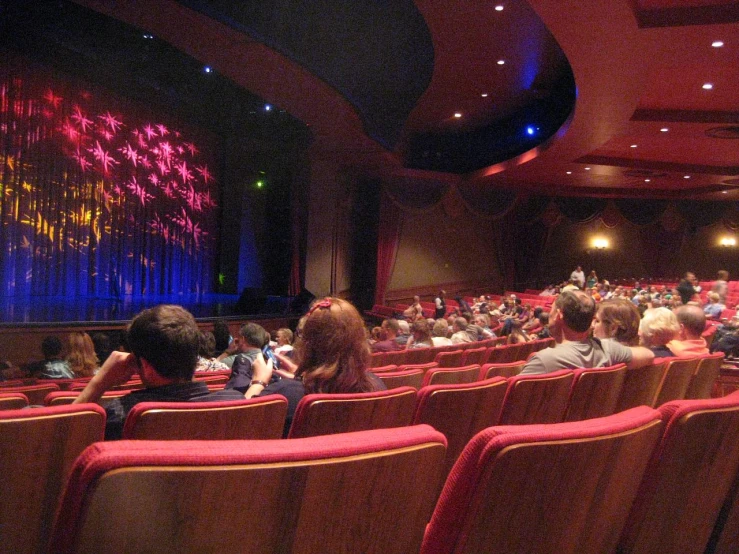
(537, 398)
(676, 379)
(37, 449)
(417, 356)
(206, 377)
(254, 418)
(327, 414)
(424, 367)
(595, 392)
(510, 369)
(473, 356)
(380, 369)
(371, 491)
(377, 359)
(34, 393)
(394, 358)
(450, 359)
(563, 488)
(13, 400)
(706, 374)
(460, 411)
(451, 375)
(62, 397)
(641, 385)
(688, 478)
(725, 536)
(408, 378)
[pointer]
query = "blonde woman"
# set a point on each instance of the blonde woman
(81, 355)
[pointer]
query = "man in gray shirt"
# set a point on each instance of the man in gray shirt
(569, 323)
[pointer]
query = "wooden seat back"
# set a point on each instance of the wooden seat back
(676, 379)
(407, 378)
(595, 392)
(451, 375)
(537, 398)
(641, 386)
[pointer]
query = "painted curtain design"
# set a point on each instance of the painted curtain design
(98, 196)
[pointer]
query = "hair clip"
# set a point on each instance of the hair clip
(325, 303)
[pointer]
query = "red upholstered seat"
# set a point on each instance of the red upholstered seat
(13, 400)
(406, 378)
(380, 369)
(562, 488)
(641, 385)
(59, 398)
(537, 398)
(687, 479)
(473, 356)
(460, 411)
(254, 418)
(418, 356)
(451, 375)
(676, 379)
(706, 374)
(37, 449)
(450, 359)
(424, 367)
(510, 369)
(371, 491)
(326, 414)
(34, 393)
(595, 392)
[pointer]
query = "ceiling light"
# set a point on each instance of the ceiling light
(724, 192)
(707, 86)
(501, 62)
(148, 36)
(530, 131)
(484, 95)
(208, 69)
(457, 115)
(686, 177)
(587, 169)
(664, 129)
(569, 173)
(633, 146)
(267, 107)
(717, 43)
(498, 8)
(647, 180)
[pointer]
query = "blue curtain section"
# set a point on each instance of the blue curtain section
(99, 197)
(641, 212)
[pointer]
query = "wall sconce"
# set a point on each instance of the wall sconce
(727, 242)
(600, 244)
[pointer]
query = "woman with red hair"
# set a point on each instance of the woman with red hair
(332, 356)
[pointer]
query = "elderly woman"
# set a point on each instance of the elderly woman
(658, 327)
(440, 333)
(331, 357)
(420, 335)
(617, 319)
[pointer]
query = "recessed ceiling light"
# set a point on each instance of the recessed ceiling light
(724, 192)
(148, 36)
(707, 86)
(717, 43)
(647, 180)
(208, 69)
(267, 107)
(484, 95)
(633, 146)
(499, 8)
(664, 129)
(569, 173)
(686, 177)
(457, 115)
(501, 62)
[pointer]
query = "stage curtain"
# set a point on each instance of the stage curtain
(487, 201)
(99, 196)
(581, 210)
(416, 194)
(388, 239)
(641, 212)
(701, 213)
(531, 208)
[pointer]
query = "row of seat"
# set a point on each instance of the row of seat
(482, 352)
(643, 480)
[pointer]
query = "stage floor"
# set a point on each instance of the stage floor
(52, 309)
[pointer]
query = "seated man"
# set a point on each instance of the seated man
(412, 312)
(569, 323)
(459, 328)
(164, 344)
(250, 341)
(692, 322)
(53, 366)
(391, 328)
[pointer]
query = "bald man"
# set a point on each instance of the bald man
(689, 343)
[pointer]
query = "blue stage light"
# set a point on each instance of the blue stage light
(530, 130)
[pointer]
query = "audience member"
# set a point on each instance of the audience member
(250, 341)
(222, 334)
(713, 308)
(389, 344)
(53, 366)
(332, 357)
(440, 304)
(284, 341)
(206, 360)
(102, 344)
(459, 331)
(412, 312)
(721, 286)
(440, 332)
(617, 319)
(726, 339)
(81, 355)
(404, 333)
(164, 343)
(569, 322)
(692, 322)
(420, 335)
(517, 334)
(578, 277)
(658, 327)
(686, 287)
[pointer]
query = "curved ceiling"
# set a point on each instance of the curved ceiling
(641, 116)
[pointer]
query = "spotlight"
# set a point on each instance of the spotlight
(530, 130)
(260, 184)
(148, 36)
(208, 69)
(267, 107)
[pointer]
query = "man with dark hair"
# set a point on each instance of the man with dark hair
(569, 323)
(689, 343)
(686, 287)
(250, 341)
(53, 366)
(164, 343)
